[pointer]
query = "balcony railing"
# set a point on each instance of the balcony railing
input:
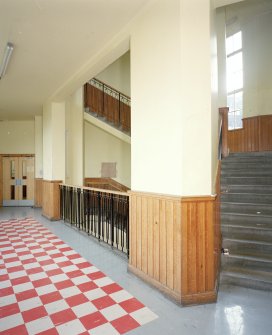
(106, 102)
(100, 213)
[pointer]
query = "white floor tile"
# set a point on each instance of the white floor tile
(39, 325)
(74, 327)
(84, 309)
(143, 315)
(113, 312)
(25, 305)
(11, 322)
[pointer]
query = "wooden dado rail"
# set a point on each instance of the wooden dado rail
(174, 245)
(105, 184)
(256, 135)
(105, 101)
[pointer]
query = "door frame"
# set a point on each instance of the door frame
(1, 172)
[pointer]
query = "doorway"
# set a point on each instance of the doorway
(18, 181)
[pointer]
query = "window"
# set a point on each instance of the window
(235, 80)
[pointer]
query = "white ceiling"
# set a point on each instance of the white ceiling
(52, 39)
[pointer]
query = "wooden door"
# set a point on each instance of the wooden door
(18, 181)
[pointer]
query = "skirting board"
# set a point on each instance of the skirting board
(184, 300)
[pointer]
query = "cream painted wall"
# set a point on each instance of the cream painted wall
(17, 137)
(196, 98)
(117, 74)
(74, 138)
(54, 141)
(38, 147)
(47, 142)
(257, 49)
(255, 21)
(156, 135)
(101, 146)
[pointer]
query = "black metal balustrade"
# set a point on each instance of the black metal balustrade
(105, 101)
(100, 213)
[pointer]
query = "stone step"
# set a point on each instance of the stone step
(254, 279)
(248, 260)
(238, 246)
(246, 165)
(257, 189)
(247, 209)
(245, 180)
(247, 198)
(248, 233)
(247, 172)
(246, 220)
(250, 154)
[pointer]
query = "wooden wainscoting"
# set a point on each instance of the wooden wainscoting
(105, 184)
(256, 135)
(51, 199)
(38, 192)
(172, 245)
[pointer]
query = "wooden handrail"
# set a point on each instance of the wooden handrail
(95, 189)
(223, 112)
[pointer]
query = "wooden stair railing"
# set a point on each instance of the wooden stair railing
(106, 102)
(223, 132)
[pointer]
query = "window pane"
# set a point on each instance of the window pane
(239, 101)
(237, 41)
(230, 102)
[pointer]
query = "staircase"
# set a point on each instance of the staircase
(246, 220)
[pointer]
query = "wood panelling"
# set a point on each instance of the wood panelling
(94, 99)
(256, 135)
(51, 199)
(223, 112)
(106, 184)
(38, 192)
(265, 133)
(172, 245)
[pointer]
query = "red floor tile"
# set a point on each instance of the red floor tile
(85, 287)
(63, 317)
(50, 297)
(9, 310)
(93, 320)
(103, 302)
(26, 295)
(41, 282)
(96, 275)
(64, 284)
(125, 324)
(19, 330)
(6, 291)
(111, 288)
(73, 274)
(54, 272)
(76, 300)
(34, 314)
(131, 305)
(20, 280)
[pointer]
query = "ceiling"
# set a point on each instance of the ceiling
(52, 39)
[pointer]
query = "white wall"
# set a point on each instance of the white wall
(101, 146)
(54, 141)
(38, 147)
(156, 157)
(117, 74)
(74, 138)
(257, 50)
(17, 137)
(255, 21)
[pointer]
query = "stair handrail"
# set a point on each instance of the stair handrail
(223, 150)
(110, 90)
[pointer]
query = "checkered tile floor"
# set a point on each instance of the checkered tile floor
(47, 288)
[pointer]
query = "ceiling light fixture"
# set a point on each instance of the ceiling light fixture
(6, 59)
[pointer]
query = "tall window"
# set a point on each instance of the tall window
(235, 80)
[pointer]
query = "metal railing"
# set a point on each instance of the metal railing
(105, 101)
(100, 213)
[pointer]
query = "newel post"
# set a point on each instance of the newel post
(223, 111)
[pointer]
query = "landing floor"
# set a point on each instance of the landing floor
(238, 311)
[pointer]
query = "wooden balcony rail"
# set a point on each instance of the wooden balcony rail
(100, 213)
(223, 150)
(106, 102)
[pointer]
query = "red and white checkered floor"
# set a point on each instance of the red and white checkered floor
(47, 288)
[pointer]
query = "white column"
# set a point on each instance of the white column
(54, 141)
(74, 138)
(38, 147)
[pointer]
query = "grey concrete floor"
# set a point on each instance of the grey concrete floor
(238, 311)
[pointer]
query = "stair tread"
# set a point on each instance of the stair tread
(256, 226)
(254, 256)
(247, 241)
(264, 276)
